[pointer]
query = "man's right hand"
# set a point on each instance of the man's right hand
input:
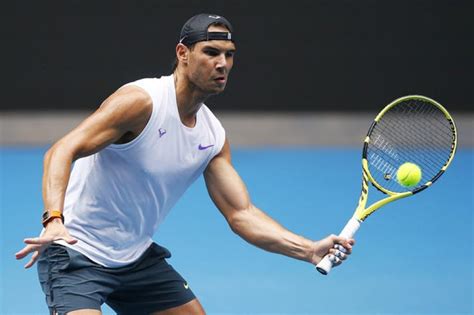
(326, 246)
(55, 230)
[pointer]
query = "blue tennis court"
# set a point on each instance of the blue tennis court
(414, 257)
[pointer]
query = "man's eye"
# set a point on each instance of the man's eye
(211, 52)
(229, 54)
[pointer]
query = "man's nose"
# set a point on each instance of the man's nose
(221, 62)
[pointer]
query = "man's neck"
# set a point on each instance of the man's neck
(188, 98)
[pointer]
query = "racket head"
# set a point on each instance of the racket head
(414, 129)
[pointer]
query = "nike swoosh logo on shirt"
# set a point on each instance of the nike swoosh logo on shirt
(205, 147)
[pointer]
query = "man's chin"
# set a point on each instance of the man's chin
(217, 90)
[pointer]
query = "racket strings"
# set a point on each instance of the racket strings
(432, 156)
(387, 129)
(434, 119)
(413, 131)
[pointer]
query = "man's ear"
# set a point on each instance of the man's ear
(182, 53)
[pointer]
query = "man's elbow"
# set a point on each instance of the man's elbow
(48, 154)
(59, 149)
(238, 220)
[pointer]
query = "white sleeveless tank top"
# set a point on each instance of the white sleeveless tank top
(117, 198)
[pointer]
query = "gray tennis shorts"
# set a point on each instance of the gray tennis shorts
(71, 282)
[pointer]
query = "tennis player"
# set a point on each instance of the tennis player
(133, 159)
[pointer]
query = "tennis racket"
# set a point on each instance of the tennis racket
(413, 129)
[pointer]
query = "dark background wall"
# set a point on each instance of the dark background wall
(295, 55)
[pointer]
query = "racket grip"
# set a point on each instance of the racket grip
(326, 264)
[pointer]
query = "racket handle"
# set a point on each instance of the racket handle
(326, 264)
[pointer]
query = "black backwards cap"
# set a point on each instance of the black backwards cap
(195, 29)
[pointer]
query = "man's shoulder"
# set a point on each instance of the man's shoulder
(134, 93)
(148, 81)
(150, 86)
(207, 112)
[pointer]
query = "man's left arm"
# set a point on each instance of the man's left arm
(230, 195)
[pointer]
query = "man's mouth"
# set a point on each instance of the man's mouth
(220, 80)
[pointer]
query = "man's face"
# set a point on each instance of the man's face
(210, 62)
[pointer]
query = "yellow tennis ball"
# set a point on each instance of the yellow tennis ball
(409, 174)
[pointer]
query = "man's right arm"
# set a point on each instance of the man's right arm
(126, 112)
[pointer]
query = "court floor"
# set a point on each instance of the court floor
(414, 257)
